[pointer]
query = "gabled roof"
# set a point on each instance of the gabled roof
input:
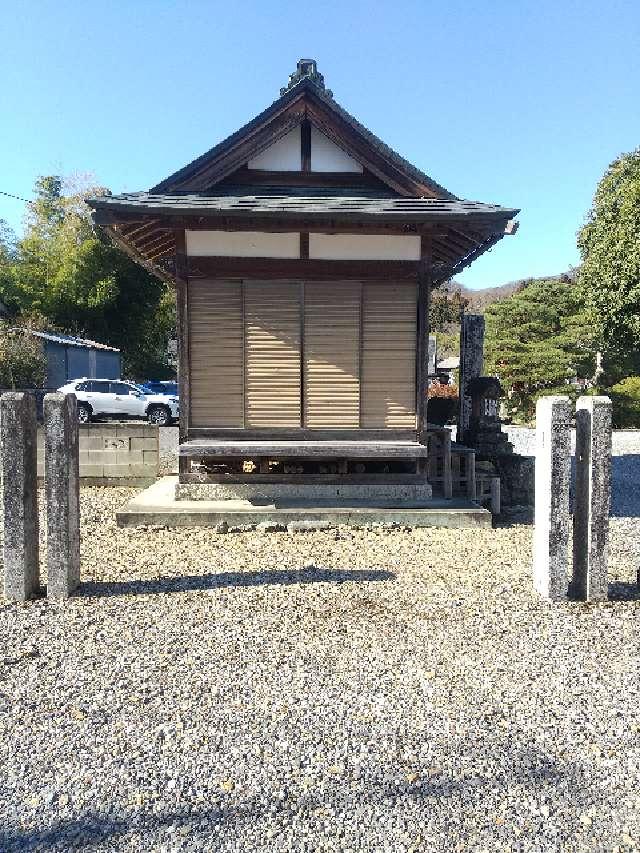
(71, 341)
(221, 191)
(306, 100)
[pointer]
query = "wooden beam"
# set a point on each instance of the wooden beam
(295, 434)
(136, 256)
(333, 479)
(274, 268)
(167, 249)
(422, 343)
(137, 232)
(152, 241)
(305, 146)
(259, 177)
(303, 448)
(182, 322)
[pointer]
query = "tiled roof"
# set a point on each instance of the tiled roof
(320, 206)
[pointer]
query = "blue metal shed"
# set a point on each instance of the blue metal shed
(71, 358)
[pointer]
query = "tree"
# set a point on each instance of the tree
(72, 275)
(22, 360)
(539, 339)
(609, 244)
(445, 309)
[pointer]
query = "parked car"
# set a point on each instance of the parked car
(98, 398)
(159, 386)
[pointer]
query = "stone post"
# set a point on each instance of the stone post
(432, 355)
(495, 496)
(62, 486)
(552, 476)
(20, 495)
(593, 499)
(471, 362)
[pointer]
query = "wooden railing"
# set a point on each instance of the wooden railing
(452, 470)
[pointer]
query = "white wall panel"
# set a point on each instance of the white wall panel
(327, 157)
(283, 156)
(243, 244)
(364, 247)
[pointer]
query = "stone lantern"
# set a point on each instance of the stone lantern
(485, 428)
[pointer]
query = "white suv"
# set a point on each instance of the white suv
(116, 399)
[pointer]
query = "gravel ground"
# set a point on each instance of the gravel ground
(342, 690)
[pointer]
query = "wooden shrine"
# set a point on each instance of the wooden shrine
(303, 251)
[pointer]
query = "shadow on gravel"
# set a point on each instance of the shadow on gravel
(624, 591)
(222, 580)
(503, 765)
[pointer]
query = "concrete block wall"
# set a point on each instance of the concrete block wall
(113, 453)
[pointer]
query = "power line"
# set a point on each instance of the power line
(19, 198)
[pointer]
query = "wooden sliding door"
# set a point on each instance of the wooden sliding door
(388, 380)
(318, 355)
(272, 341)
(332, 355)
(216, 353)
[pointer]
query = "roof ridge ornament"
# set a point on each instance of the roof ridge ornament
(306, 69)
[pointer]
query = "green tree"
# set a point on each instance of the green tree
(66, 271)
(538, 339)
(609, 244)
(445, 309)
(22, 360)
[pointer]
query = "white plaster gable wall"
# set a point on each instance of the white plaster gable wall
(327, 157)
(364, 247)
(283, 156)
(243, 244)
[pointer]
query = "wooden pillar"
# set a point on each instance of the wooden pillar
(422, 343)
(184, 370)
(305, 145)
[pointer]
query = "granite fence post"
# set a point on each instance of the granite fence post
(20, 495)
(552, 476)
(62, 487)
(592, 499)
(471, 363)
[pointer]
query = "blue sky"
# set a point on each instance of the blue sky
(519, 103)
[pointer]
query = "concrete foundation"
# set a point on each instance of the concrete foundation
(302, 491)
(158, 505)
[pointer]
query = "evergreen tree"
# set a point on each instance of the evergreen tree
(609, 243)
(538, 339)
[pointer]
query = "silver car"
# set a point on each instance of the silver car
(109, 398)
